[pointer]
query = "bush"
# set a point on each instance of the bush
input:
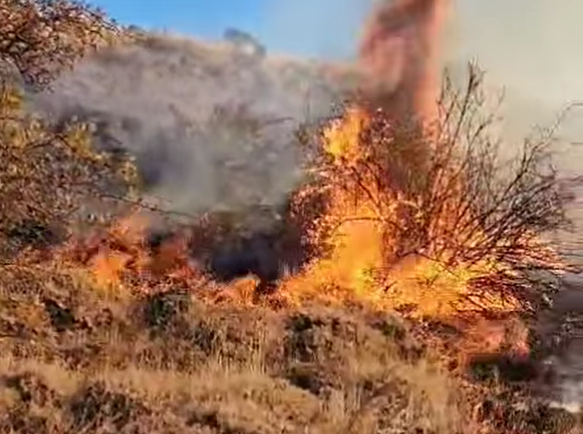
(48, 175)
(44, 37)
(443, 193)
(244, 42)
(47, 172)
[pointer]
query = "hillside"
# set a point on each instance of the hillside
(147, 96)
(76, 359)
(156, 97)
(395, 293)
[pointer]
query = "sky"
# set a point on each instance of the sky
(528, 45)
(291, 26)
(204, 18)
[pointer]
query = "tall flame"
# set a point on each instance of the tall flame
(400, 55)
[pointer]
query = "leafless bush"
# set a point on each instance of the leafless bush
(447, 194)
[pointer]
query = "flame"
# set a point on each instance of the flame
(400, 55)
(356, 268)
(119, 256)
(361, 237)
(359, 242)
(357, 246)
(400, 41)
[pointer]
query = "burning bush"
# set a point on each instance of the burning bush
(434, 218)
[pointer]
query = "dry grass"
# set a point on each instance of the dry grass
(75, 360)
(79, 360)
(144, 351)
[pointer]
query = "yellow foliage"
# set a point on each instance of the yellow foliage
(47, 172)
(43, 38)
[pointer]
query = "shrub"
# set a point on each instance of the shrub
(47, 172)
(444, 193)
(44, 37)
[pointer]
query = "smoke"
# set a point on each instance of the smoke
(529, 45)
(159, 100)
(400, 53)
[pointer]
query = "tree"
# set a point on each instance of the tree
(41, 38)
(47, 172)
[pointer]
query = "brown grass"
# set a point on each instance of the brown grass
(79, 358)
(78, 355)
(75, 360)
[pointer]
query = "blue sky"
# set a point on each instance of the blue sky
(206, 18)
(532, 45)
(308, 27)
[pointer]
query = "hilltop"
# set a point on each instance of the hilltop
(155, 99)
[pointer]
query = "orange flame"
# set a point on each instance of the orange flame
(401, 39)
(400, 54)
(120, 256)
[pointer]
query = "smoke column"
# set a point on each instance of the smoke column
(400, 55)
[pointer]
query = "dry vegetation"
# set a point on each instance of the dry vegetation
(47, 172)
(447, 196)
(103, 332)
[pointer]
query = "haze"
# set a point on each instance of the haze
(532, 46)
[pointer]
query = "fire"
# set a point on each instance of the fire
(400, 55)
(359, 235)
(370, 222)
(361, 264)
(369, 215)
(342, 137)
(357, 247)
(119, 256)
(362, 213)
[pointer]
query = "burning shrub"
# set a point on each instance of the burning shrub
(434, 215)
(119, 256)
